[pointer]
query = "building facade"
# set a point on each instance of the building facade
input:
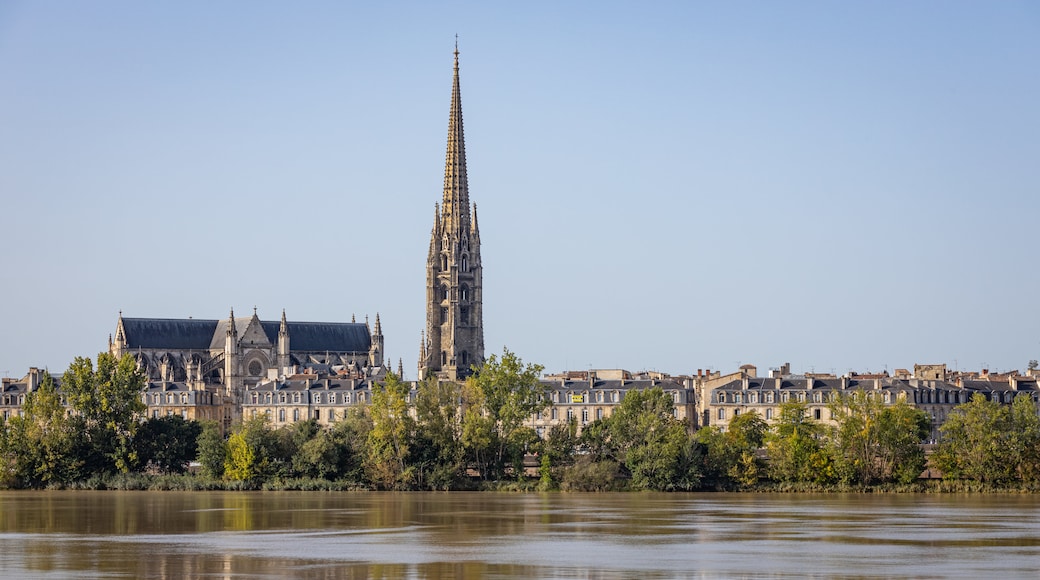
(453, 340)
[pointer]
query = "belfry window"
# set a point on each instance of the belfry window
(444, 292)
(464, 293)
(444, 314)
(464, 315)
(465, 263)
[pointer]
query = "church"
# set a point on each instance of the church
(210, 369)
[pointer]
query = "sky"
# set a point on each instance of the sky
(662, 186)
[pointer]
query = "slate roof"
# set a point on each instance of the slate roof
(195, 334)
(169, 333)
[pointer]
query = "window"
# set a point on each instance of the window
(736, 412)
(332, 415)
(737, 397)
(584, 415)
(553, 414)
(721, 397)
(722, 414)
(769, 413)
(465, 263)
(281, 415)
(281, 398)
(317, 414)
(752, 397)
(464, 293)
(444, 292)
(570, 414)
(784, 397)
(816, 414)
(769, 397)
(255, 368)
(599, 397)
(464, 315)
(444, 314)
(296, 397)
(295, 414)
(817, 397)
(599, 413)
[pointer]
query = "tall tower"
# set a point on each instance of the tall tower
(454, 338)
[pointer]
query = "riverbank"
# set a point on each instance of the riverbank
(192, 482)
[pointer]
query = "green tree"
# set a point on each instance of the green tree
(389, 442)
(350, 436)
(499, 398)
(795, 447)
(212, 450)
(438, 452)
(974, 443)
(319, 456)
(653, 446)
(730, 456)
(249, 451)
(107, 402)
(1024, 438)
(40, 446)
(167, 443)
(875, 442)
(557, 451)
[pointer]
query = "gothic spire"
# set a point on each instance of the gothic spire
(455, 208)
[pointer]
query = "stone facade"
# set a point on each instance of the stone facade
(586, 396)
(453, 340)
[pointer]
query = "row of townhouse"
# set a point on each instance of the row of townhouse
(722, 398)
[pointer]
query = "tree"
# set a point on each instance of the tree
(39, 447)
(974, 443)
(350, 436)
(1024, 438)
(875, 442)
(249, 451)
(795, 447)
(730, 456)
(167, 443)
(389, 441)
(1032, 364)
(498, 399)
(557, 452)
(438, 452)
(108, 404)
(652, 445)
(212, 450)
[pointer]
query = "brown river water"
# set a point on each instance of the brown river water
(62, 534)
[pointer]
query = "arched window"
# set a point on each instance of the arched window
(465, 263)
(444, 262)
(444, 292)
(464, 293)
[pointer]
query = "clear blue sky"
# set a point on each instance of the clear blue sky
(665, 186)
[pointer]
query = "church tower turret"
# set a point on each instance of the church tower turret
(231, 356)
(283, 344)
(454, 307)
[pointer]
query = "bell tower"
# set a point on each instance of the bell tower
(454, 336)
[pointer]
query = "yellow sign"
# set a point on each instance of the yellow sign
(577, 398)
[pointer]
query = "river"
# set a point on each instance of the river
(66, 534)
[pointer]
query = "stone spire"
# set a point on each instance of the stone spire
(455, 207)
(454, 336)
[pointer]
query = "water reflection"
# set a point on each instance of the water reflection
(476, 535)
